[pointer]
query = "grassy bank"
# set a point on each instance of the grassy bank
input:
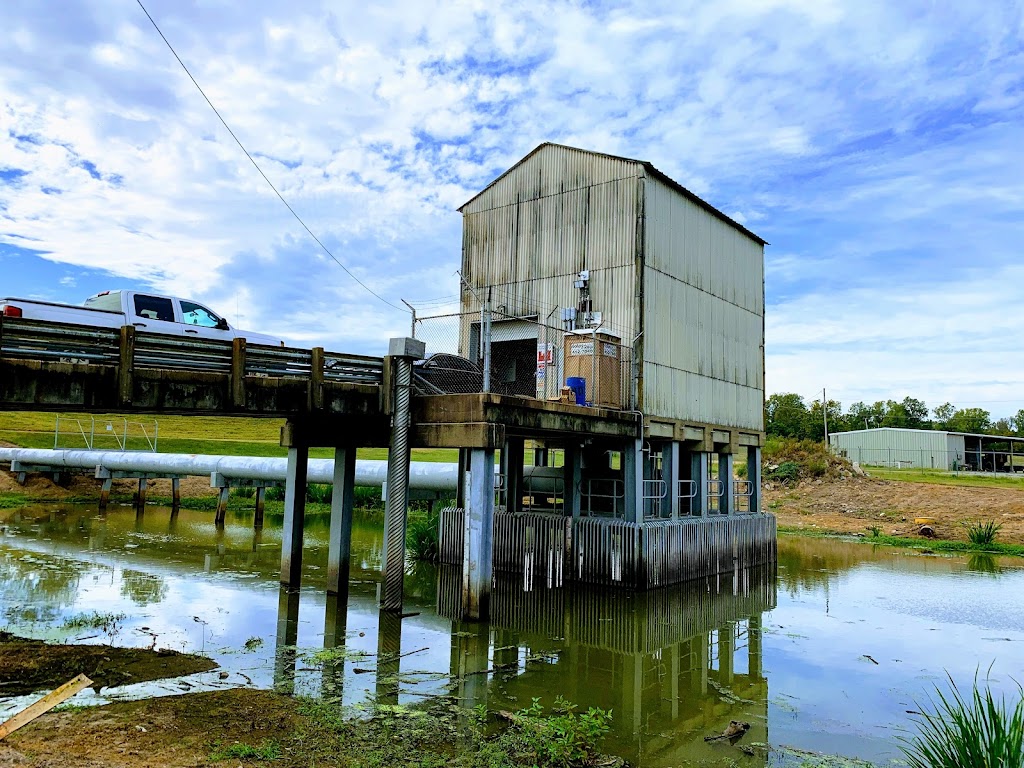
(924, 545)
(942, 477)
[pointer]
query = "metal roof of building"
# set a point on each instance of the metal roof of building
(649, 167)
(1012, 438)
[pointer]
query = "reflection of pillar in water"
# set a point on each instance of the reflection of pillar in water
(726, 652)
(673, 674)
(632, 690)
(335, 628)
(754, 647)
(389, 651)
(702, 662)
(470, 644)
(287, 635)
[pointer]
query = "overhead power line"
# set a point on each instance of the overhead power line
(256, 165)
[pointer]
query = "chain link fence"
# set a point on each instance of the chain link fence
(925, 459)
(509, 355)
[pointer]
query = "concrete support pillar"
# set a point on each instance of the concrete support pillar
(108, 483)
(670, 473)
(294, 516)
(727, 501)
(261, 503)
(396, 503)
(222, 503)
(754, 654)
(478, 535)
(175, 494)
(700, 462)
(342, 501)
(754, 476)
(512, 458)
(571, 480)
(540, 456)
(633, 478)
(460, 490)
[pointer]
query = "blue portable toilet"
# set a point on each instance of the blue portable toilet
(578, 385)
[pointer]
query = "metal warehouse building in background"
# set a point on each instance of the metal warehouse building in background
(930, 449)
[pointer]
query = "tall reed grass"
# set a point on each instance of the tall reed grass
(974, 731)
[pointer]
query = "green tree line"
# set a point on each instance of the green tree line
(789, 415)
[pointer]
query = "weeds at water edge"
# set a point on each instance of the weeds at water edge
(975, 730)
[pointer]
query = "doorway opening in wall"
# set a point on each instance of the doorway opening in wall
(513, 356)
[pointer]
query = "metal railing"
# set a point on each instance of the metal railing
(687, 493)
(149, 441)
(44, 341)
(603, 497)
(57, 342)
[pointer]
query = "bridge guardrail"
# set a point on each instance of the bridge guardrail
(55, 342)
(46, 341)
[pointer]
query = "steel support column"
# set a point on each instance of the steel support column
(294, 516)
(727, 501)
(670, 471)
(478, 535)
(754, 476)
(633, 477)
(342, 501)
(396, 505)
(700, 462)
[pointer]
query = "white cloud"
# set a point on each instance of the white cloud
(873, 145)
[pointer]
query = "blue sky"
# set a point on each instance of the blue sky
(878, 146)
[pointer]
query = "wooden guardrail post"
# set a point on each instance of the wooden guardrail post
(316, 380)
(126, 364)
(238, 373)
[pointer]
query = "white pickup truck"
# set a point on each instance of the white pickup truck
(146, 311)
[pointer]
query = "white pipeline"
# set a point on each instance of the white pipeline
(423, 475)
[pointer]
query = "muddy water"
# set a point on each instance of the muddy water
(826, 655)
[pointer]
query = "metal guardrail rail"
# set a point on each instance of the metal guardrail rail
(46, 341)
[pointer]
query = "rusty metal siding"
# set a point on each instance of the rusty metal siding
(703, 315)
(560, 211)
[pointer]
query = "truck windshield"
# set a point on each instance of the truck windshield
(197, 314)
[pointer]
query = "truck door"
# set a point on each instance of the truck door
(198, 321)
(153, 314)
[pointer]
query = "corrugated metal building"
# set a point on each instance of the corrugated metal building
(894, 447)
(674, 278)
(930, 449)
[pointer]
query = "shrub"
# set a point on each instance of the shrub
(563, 739)
(786, 472)
(422, 538)
(318, 493)
(959, 732)
(982, 534)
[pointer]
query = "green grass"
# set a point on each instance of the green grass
(267, 750)
(228, 436)
(941, 477)
(979, 730)
(983, 534)
(932, 545)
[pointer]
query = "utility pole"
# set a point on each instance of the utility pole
(824, 414)
(413, 310)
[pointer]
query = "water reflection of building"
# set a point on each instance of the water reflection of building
(673, 664)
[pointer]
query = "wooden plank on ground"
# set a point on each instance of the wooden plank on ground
(44, 705)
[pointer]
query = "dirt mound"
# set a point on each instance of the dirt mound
(788, 462)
